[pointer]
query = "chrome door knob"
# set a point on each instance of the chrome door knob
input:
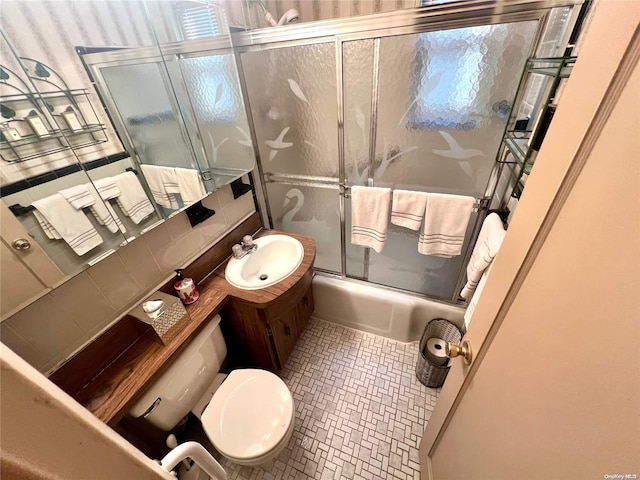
(21, 244)
(453, 350)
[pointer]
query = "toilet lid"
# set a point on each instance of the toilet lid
(249, 414)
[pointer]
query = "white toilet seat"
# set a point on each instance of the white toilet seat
(250, 417)
(269, 455)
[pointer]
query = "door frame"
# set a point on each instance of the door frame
(587, 102)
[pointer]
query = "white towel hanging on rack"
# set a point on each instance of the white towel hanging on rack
(445, 224)
(369, 216)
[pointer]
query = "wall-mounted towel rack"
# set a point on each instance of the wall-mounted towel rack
(333, 183)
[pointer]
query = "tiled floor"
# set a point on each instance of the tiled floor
(360, 411)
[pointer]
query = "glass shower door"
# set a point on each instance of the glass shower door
(430, 119)
(292, 93)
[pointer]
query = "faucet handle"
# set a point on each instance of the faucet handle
(237, 250)
(247, 241)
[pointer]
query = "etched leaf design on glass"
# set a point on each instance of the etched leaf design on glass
(278, 144)
(246, 141)
(218, 94)
(215, 148)
(360, 118)
(297, 91)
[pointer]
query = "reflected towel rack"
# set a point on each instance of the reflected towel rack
(18, 210)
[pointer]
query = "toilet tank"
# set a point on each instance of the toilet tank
(180, 387)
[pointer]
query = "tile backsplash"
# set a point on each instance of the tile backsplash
(50, 330)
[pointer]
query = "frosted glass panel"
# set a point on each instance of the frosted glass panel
(292, 92)
(309, 211)
(401, 266)
(214, 92)
(357, 61)
(444, 99)
(140, 94)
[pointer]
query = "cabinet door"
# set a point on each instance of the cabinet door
(304, 311)
(287, 327)
(284, 328)
(248, 339)
(26, 274)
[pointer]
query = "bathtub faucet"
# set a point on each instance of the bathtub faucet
(245, 247)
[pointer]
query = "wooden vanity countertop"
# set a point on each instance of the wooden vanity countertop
(112, 393)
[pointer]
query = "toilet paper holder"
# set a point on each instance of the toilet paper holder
(453, 350)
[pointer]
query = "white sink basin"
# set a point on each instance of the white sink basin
(276, 258)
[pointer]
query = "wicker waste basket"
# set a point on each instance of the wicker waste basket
(429, 373)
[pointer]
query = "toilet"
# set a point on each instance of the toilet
(247, 415)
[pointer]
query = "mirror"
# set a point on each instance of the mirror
(90, 101)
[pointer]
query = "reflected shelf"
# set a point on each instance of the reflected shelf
(30, 140)
(33, 140)
(20, 97)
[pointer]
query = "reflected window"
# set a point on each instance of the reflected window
(452, 68)
(200, 20)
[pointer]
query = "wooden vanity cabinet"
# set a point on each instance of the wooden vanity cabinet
(264, 335)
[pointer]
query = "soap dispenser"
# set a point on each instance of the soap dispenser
(185, 288)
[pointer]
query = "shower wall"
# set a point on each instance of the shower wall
(414, 111)
(440, 101)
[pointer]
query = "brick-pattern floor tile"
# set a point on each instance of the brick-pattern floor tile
(360, 411)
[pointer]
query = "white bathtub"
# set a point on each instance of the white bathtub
(390, 314)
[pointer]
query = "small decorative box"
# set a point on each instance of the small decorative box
(165, 314)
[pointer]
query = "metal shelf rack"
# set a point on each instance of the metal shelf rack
(529, 121)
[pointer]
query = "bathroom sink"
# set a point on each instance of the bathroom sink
(276, 257)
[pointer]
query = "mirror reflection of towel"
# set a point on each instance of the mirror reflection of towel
(132, 200)
(59, 219)
(83, 196)
(163, 185)
(107, 188)
(190, 186)
(104, 213)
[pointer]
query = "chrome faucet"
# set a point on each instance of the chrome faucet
(245, 247)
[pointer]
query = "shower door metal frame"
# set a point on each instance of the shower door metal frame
(374, 27)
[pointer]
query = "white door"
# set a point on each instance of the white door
(555, 386)
(47, 435)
